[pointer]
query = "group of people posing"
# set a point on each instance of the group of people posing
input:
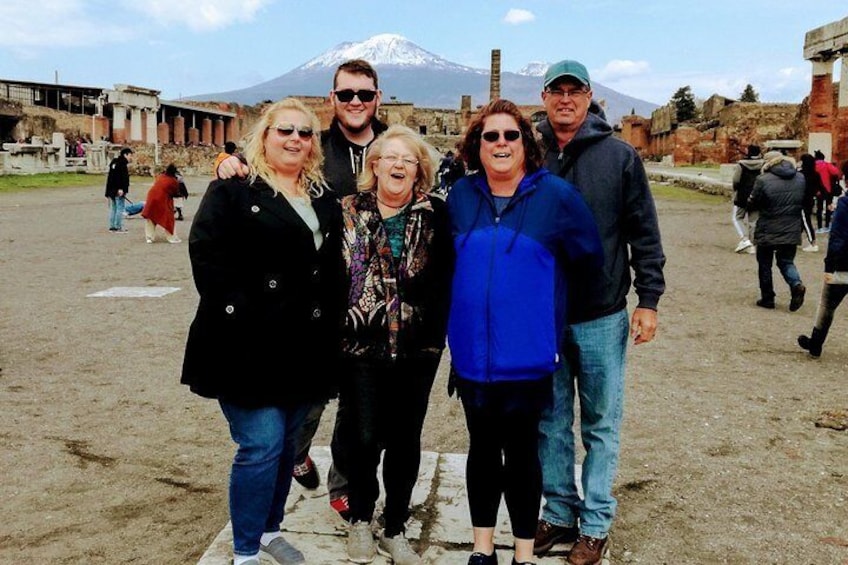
(774, 199)
(325, 266)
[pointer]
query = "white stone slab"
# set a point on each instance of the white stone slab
(134, 292)
(312, 527)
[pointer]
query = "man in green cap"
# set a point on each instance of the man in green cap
(579, 147)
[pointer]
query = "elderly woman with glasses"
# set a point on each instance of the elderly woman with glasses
(522, 236)
(398, 256)
(266, 258)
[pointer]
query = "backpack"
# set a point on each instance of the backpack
(745, 186)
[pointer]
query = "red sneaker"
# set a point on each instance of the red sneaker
(341, 506)
(306, 474)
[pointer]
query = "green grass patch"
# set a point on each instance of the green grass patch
(680, 194)
(16, 183)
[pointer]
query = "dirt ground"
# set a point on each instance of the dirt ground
(106, 458)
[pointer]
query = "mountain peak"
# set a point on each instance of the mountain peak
(379, 50)
(534, 69)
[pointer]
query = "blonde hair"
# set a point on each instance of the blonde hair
(423, 151)
(311, 180)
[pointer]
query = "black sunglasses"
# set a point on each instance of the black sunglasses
(347, 95)
(493, 135)
(285, 130)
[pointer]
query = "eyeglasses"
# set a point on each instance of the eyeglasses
(393, 160)
(572, 94)
(285, 130)
(493, 135)
(347, 95)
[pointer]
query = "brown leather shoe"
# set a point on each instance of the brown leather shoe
(548, 535)
(588, 551)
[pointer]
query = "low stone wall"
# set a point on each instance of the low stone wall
(701, 183)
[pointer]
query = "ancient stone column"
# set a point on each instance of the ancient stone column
(151, 132)
(179, 130)
(218, 136)
(135, 124)
(231, 130)
(206, 131)
(163, 132)
(495, 81)
(840, 153)
(119, 124)
(821, 108)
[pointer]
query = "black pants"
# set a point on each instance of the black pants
(337, 474)
(386, 403)
(503, 452)
(823, 208)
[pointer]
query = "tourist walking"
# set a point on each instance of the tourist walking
(835, 285)
(744, 174)
(778, 196)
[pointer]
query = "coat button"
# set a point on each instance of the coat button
(316, 313)
(254, 209)
(230, 309)
(272, 284)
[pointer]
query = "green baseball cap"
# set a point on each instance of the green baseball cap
(567, 68)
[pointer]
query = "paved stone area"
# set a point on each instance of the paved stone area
(440, 520)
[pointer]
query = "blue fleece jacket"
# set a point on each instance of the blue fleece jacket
(509, 293)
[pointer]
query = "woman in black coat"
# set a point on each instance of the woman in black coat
(265, 255)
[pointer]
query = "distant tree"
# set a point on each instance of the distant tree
(632, 111)
(749, 95)
(684, 103)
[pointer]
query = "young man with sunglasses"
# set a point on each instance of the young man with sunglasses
(355, 98)
(579, 147)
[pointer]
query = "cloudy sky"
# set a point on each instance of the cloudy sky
(647, 48)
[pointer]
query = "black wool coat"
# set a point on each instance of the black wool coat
(266, 332)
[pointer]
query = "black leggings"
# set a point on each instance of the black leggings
(387, 403)
(503, 453)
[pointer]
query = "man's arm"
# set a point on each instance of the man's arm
(646, 254)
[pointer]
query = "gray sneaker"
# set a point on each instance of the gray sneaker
(398, 550)
(281, 552)
(360, 543)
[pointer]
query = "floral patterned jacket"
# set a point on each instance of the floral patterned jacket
(396, 308)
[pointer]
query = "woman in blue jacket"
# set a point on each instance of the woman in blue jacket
(521, 235)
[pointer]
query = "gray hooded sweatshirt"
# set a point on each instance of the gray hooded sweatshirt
(611, 177)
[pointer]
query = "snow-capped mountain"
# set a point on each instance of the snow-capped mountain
(534, 69)
(381, 50)
(408, 73)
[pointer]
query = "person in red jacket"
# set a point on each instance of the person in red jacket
(829, 175)
(159, 205)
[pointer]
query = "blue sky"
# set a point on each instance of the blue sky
(643, 48)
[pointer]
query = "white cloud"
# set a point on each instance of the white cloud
(516, 16)
(199, 15)
(618, 68)
(54, 23)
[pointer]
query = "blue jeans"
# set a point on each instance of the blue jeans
(116, 212)
(594, 355)
(262, 469)
(785, 256)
